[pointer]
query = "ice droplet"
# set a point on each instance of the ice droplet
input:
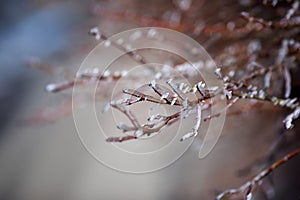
(230, 26)
(155, 117)
(261, 94)
(128, 47)
(120, 41)
(124, 73)
(95, 71)
(51, 87)
(195, 51)
(152, 83)
(136, 35)
(231, 73)
(96, 33)
(138, 133)
(172, 17)
(107, 43)
(151, 33)
(218, 72)
(165, 95)
(158, 75)
(106, 73)
(184, 5)
(253, 46)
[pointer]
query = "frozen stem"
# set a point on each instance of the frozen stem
(245, 191)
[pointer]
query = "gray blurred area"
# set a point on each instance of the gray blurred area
(25, 32)
(48, 161)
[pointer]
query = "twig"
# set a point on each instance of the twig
(245, 191)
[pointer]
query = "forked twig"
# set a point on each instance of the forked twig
(160, 122)
(245, 191)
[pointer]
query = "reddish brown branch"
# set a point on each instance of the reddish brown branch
(245, 191)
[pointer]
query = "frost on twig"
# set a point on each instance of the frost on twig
(156, 122)
(119, 44)
(194, 133)
(257, 64)
(84, 77)
(176, 95)
(261, 51)
(245, 191)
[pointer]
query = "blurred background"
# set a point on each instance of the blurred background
(40, 158)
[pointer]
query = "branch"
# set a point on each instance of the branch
(245, 191)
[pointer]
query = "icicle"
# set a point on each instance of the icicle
(282, 52)
(196, 126)
(249, 196)
(288, 82)
(292, 103)
(106, 107)
(173, 101)
(292, 10)
(186, 136)
(267, 80)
